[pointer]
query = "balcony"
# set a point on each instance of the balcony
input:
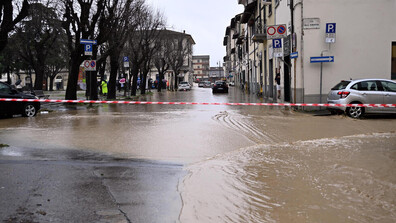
(225, 41)
(240, 40)
(235, 36)
(259, 37)
(249, 11)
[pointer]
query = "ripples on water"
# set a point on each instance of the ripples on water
(327, 180)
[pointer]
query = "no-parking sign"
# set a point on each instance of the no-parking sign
(276, 32)
(89, 65)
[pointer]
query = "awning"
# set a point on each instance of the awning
(249, 11)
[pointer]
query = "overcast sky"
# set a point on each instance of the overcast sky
(204, 20)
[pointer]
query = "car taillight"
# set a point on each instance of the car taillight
(343, 94)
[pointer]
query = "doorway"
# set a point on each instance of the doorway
(286, 78)
(271, 78)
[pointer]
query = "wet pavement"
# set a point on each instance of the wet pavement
(196, 163)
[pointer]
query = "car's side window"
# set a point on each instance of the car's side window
(362, 86)
(388, 86)
(4, 89)
(372, 86)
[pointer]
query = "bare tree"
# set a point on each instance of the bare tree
(7, 21)
(57, 61)
(122, 23)
(160, 58)
(37, 36)
(180, 48)
(141, 44)
(81, 18)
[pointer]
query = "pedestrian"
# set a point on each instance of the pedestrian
(18, 85)
(104, 87)
(277, 79)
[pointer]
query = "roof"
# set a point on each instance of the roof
(171, 32)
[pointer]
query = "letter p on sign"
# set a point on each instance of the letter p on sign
(330, 28)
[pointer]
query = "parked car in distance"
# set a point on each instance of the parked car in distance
(8, 108)
(232, 83)
(184, 86)
(207, 84)
(363, 91)
(220, 86)
(201, 84)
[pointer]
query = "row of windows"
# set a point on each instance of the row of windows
(375, 86)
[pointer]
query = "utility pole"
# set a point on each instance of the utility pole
(293, 36)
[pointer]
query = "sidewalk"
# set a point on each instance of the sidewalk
(60, 95)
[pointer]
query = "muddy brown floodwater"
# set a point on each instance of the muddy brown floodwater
(245, 164)
(302, 169)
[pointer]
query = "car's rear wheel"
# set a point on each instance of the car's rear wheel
(29, 110)
(355, 112)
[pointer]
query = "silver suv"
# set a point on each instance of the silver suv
(363, 91)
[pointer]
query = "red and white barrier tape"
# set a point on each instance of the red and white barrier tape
(199, 103)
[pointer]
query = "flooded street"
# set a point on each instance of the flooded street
(242, 163)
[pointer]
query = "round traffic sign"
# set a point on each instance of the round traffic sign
(93, 63)
(271, 30)
(281, 29)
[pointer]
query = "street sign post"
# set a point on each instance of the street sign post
(277, 45)
(330, 32)
(88, 49)
(322, 59)
(294, 55)
(88, 41)
(126, 61)
(88, 46)
(89, 65)
(276, 31)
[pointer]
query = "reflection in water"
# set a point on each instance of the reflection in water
(326, 180)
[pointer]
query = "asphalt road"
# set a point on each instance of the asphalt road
(86, 187)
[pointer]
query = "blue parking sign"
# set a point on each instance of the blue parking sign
(87, 49)
(330, 28)
(277, 43)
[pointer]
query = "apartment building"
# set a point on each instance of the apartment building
(216, 73)
(359, 37)
(201, 67)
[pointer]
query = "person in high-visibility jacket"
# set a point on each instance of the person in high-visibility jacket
(104, 87)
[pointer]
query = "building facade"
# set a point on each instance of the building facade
(201, 67)
(216, 73)
(357, 50)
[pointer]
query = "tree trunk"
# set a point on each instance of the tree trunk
(176, 80)
(38, 82)
(8, 76)
(93, 85)
(51, 84)
(135, 71)
(71, 90)
(114, 65)
(143, 83)
(160, 77)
